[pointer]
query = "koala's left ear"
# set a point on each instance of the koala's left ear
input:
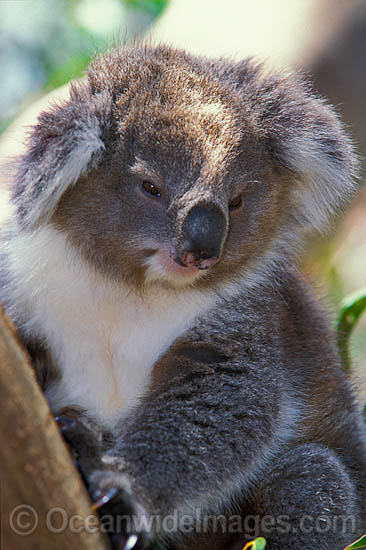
(66, 142)
(307, 137)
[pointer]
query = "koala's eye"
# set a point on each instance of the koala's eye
(151, 188)
(236, 202)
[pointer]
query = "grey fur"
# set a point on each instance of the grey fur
(248, 410)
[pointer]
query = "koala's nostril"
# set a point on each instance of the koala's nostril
(205, 263)
(203, 232)
(188, 259)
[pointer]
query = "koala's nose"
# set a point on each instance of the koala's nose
(203, 230)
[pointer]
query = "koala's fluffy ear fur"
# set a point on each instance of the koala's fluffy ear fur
(65, 143)
(319, 152)
(303, 134)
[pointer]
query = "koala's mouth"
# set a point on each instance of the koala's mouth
(171, 266)
(162, 266)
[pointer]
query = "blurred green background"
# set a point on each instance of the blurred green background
(45, 43)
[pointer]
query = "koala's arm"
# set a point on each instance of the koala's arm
(211, 418)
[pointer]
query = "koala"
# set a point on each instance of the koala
(150, 266)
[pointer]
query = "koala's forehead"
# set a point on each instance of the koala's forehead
(197, 132)
(190, 125)
(183, 116)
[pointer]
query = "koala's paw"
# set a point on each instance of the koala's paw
(83, 442)
(121, 517)
(109, 490)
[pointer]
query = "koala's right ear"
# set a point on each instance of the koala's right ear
(66, 142)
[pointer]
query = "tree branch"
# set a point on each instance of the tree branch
(37, 473)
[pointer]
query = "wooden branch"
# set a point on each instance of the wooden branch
(44, 504)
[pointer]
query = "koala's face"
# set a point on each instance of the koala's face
(184, 171)
(184, 194)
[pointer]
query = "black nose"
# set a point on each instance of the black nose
(203, 230)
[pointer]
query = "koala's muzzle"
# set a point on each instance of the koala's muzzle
(203, 235)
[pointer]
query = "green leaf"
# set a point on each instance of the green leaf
(259, 544)
(359, 543)
(352, 308)
(256, 544)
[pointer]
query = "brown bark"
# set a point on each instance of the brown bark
(37, 472)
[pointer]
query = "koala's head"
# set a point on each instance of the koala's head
(168, 169)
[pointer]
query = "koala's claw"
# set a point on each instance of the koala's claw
(104, 499)
(131, 542)
(115, 505)
(120, 542)
(107, 489)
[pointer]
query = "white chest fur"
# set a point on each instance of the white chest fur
(104, 337)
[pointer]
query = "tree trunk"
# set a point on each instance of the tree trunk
(43, 502)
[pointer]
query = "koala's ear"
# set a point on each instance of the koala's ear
(306, 136)
(323, 158)
(66, 142)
